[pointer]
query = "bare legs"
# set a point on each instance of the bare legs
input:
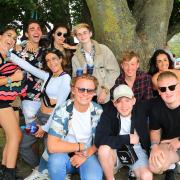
(9, 123)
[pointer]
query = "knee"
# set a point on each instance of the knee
(146, 175)
(56, 161)
(104, 151)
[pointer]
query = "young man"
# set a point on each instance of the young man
(165, 125)
(31, 103)
(72, 131)
(114, 130)
(139, 81)
(96, 59)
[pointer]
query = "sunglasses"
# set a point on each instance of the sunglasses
(62, 34)
(83, 90)
(171, 88)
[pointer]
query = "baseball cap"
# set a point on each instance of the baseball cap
(122, 91)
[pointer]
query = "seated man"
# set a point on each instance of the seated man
(114, 130)
(165, 126)
(72, 131)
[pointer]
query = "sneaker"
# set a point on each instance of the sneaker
(36, 175)
(68, 177)
(131, 175)
(170, 175)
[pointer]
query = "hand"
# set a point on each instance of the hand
(173, 144)
(102, 96)
(40, 132)
(17, 48)
(30, 47)
(17, 76)
(134, 138)
(77, 160)
(157, 158)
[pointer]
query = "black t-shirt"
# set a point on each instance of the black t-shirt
(168, 120)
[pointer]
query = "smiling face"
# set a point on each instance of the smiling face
(170, 96)
(83, 92)
(54, 63)
(130, 67)
(8, 39)
(34, 33)
(83, 35)
(162, 62)
(60, 35)
(124, 105)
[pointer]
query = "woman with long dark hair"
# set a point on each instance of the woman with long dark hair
(11, 86)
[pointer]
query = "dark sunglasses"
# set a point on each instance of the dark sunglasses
(83, 90)
(171, 88)
(62, 34)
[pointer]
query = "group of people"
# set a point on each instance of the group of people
(85, 108)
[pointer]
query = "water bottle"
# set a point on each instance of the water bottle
(31, 128)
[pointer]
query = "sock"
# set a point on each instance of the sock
(2, 167)
(11, 171)
(172, 166)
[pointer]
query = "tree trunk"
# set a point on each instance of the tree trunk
(143, 30)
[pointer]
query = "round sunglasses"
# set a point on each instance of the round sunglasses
(65, 35)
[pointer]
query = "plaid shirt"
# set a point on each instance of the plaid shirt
(142, 86)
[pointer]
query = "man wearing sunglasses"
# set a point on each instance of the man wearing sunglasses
(165, 126)
(96, 59)
(72, 131)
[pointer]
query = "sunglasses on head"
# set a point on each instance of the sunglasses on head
(83, 90)
(62, 34)
(171, 88)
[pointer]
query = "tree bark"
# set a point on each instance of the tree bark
(143, 29)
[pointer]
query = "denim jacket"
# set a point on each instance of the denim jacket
(63, 115)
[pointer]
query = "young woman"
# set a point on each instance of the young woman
(160, 62)
(11, 86)
(55, 91)
(59, 39)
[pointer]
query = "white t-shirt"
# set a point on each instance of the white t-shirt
(126, 127)
(80, 129)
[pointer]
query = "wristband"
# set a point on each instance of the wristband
(153, 143)
(9, 82)
(79, 147)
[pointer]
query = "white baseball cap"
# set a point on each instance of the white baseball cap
(122, 91)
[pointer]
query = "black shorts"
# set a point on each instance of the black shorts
(5, 104)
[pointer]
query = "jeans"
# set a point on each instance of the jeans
(59, 165)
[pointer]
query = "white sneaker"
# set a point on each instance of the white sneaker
(68, 177)
(36, 175)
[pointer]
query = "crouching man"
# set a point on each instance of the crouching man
(72, 131)
(117, 121)
(165, 126)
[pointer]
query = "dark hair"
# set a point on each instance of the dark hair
(152, 62)
(31, 21)
(51, 37)
(54, 51)
(7, 28)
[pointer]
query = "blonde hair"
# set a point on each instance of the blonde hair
(166, 74)
(84, 76)
(79, 26)
(128, 55)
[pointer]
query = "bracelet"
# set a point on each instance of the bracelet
(153, 143)
(9, 82)
(79, 147)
